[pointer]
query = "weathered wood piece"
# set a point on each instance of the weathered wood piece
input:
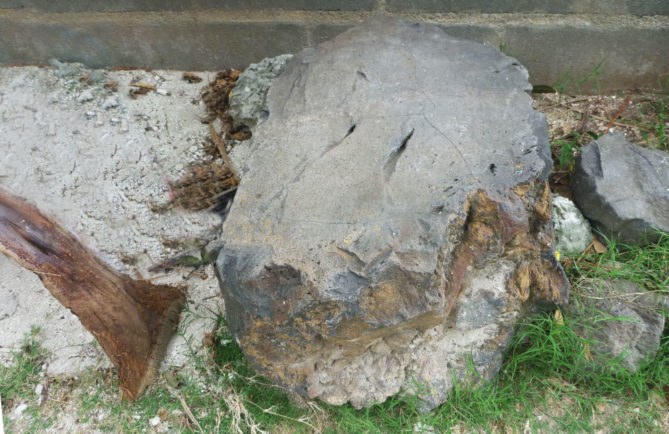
(133, 320)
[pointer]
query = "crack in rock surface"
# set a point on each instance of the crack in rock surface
(413, 244)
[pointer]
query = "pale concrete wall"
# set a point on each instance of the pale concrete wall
(554, 39)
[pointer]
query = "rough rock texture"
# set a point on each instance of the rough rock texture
(623, 188)
(572, 230)
(247, 99)
(619, 319)
(392, 217)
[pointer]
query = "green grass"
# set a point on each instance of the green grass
(658, 126)
(546, 373)
(19, 380)
(547, 382)
(647, 266)
(567, 84)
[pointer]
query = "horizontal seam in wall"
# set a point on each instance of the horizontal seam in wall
(310, 18)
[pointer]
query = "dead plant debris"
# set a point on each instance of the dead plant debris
(191, 77)
(203, 186)
(137, 89)
(216, 95)
(637, 119)
(111, 85)
(209, 184)
(574, 121)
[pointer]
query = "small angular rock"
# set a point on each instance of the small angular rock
(85, 96)
(110, 102)
(623, 188)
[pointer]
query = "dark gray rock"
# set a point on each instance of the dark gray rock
(392, 217)
(619, 319)
(247, 99)
(623, 188)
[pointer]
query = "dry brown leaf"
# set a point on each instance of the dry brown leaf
(559, 319)
(599, 247)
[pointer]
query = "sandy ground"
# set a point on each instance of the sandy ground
(97, 160)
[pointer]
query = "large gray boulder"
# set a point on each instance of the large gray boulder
(623, 188)
(393, 219)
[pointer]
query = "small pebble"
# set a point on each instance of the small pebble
(154, 421)
(162, 92)
(85, 96)
(51, 129)
(18, 411)
(114, 121)
(124, 125)
(110, 102)
(39, 389)
(90, 115)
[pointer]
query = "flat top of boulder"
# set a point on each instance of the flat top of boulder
(390, 120)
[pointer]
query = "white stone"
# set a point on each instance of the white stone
(572, 230)
(18, 411)
(85, 96)
(154, 421)
(110, 102)
(423, 428)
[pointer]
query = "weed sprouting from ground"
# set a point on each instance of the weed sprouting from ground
(568, 84)
(19, 379)
(657, 124)
(25, 372)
